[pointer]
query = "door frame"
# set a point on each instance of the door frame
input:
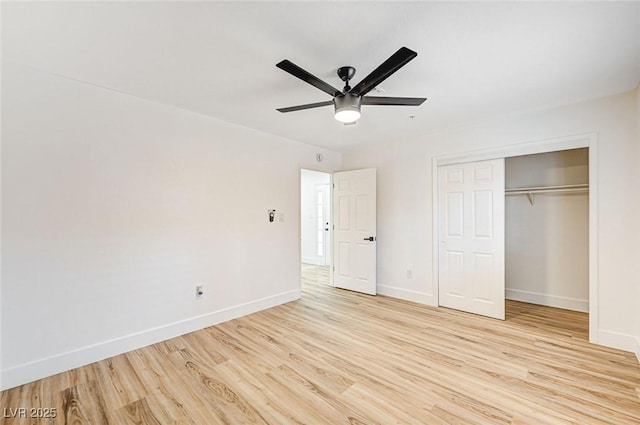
(588, 140)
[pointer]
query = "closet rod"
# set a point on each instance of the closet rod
(548, 189)
(531, 191)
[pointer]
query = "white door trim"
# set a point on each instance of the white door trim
(549, 145)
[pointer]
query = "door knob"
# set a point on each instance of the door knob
(370, 238)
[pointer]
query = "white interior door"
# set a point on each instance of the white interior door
(471, 237)
(321, 224)
(315, 213)
(325, 225)
(354, 236)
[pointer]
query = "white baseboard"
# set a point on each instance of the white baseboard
(42, 368)
(407, 295)
(620, 341)
(548, 300)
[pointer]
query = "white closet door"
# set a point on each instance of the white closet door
(471, 237)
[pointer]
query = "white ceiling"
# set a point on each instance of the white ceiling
(475, 59)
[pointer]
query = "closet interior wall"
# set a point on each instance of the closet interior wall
(547, 233)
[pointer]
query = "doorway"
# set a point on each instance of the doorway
(315, 221)
(553, 145)
(338, 228)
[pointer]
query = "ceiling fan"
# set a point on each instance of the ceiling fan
(347, 102)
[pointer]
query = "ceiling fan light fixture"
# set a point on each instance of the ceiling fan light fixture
(347, 116)
(347, 108)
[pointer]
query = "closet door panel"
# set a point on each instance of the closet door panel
(471, 237)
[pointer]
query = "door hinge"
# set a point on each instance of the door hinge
(334, 227)
(334, 268)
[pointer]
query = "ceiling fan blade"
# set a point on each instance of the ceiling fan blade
(296, 71)
(399, 101)
(306, 106)
(384, 71)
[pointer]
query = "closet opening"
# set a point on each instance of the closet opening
(547, 232)
(552, 183)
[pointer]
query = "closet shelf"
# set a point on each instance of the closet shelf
(532, 191)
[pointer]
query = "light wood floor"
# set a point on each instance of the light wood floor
(337, 357)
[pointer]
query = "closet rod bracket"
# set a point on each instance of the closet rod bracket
(532, 198)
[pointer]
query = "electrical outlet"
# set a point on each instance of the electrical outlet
(199, 291)
(409, 273)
